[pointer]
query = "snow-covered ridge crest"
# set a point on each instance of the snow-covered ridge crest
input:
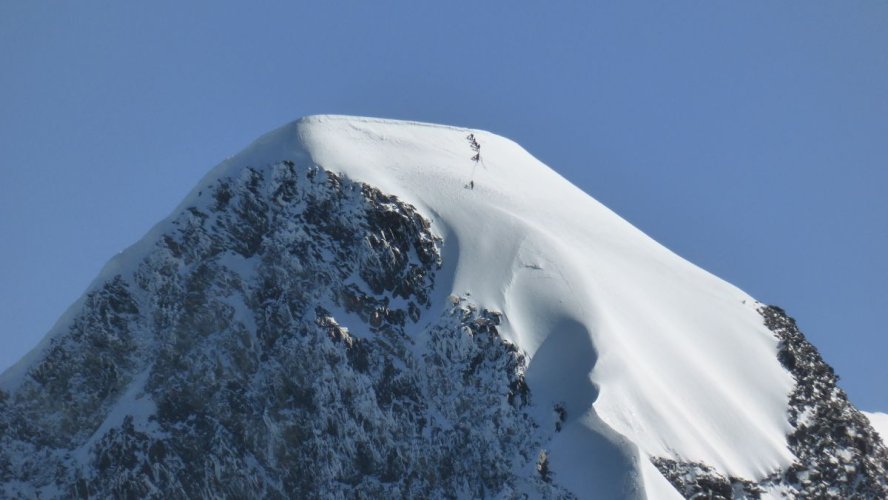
(684, 366)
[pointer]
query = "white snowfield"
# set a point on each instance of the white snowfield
(649, 354)
(879, 421)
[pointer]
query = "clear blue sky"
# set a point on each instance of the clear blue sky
(749, 137)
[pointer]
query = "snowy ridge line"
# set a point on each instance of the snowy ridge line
(389, 121)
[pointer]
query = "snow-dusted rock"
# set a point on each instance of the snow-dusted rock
(355, 307)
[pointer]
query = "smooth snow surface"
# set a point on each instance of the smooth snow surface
(879, 421)
(649, 354)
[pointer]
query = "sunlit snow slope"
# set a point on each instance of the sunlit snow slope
(648, 354)
(673, 358)
(879, 422)
(630, 336)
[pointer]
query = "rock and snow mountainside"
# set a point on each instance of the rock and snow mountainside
(335, 312)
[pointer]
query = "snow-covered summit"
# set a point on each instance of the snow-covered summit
(634, 364)
(684, 365)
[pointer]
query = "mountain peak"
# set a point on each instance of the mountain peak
(399, 308)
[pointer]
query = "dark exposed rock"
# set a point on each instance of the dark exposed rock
(839, 453)
(560, 416)
(698, 480)
(543, 467)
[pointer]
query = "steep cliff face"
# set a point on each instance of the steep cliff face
(367, 308)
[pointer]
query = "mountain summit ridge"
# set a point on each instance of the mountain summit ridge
(329, 308)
